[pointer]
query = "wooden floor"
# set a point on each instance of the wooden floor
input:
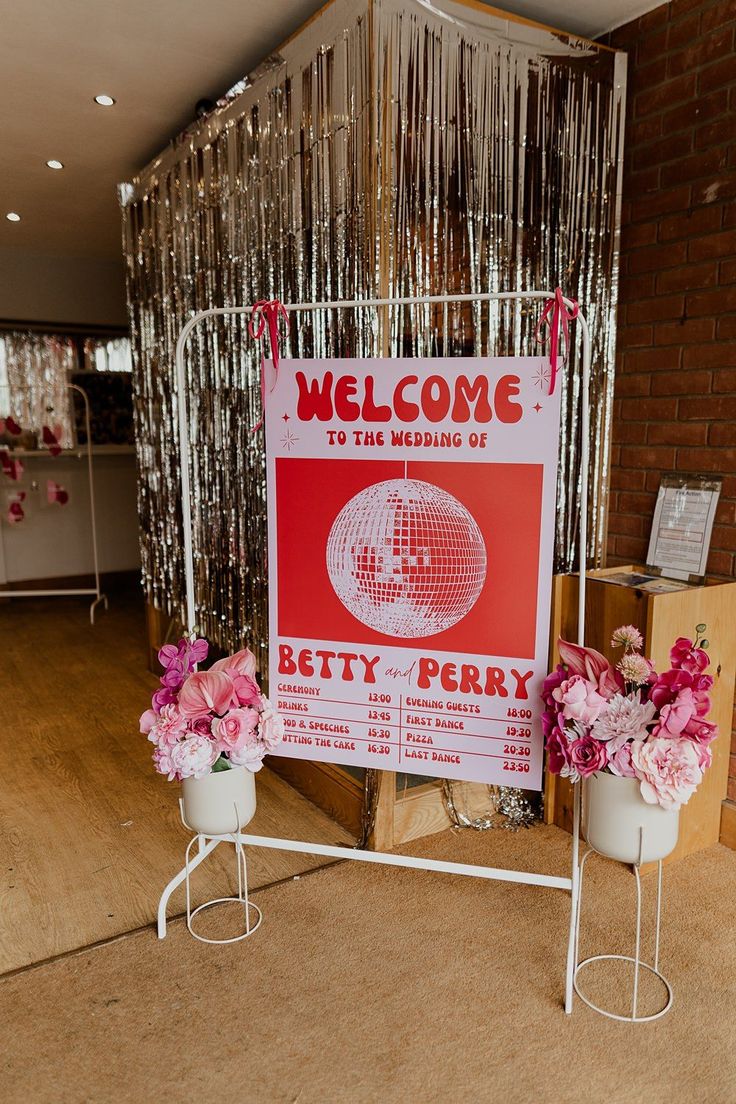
(89, 833)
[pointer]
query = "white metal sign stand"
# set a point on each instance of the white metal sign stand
(74, 592)
(208, 844)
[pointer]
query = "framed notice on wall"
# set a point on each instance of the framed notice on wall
(411, 525)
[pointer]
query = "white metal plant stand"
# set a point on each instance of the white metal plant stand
(67, 592)
(636, 959)
(242, 898)
(525, 877)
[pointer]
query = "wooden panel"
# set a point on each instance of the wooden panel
(728, 824)
(330, 788)
(661, 618)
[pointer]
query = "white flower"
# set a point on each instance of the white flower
(625, 718)
(627, 636)
(635, 668)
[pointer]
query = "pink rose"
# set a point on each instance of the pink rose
(669, 770)
(579, 699)
(193, 757)
(668, 686)
(587, 755)
(620, 762)
(700, 731)
(205, 692)
(674, 716)
(270, 726)
(202, 726)
(234, 729)
(684, 656)
(244, 662)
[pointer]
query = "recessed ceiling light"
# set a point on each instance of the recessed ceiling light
(104, 101)
(13, 216)
(54, 164)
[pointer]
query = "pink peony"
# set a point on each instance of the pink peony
(270, 726)
(587, 755)
(669, 770)
(620, 762)
(674, 716)
(684, 656)
(579, 699)
(235, 728)
(169, 727)
(244, 662)
(193, 757)
(250, 755)
(204, 692)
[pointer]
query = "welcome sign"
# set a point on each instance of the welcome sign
(411, 524)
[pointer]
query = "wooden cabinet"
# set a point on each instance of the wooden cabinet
(660, 618)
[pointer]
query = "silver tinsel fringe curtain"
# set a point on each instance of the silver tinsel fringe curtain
(35, 370)
(392, 148)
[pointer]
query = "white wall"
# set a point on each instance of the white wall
(54, 541)
(62, 291)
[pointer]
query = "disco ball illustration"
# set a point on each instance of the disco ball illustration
(406, 558)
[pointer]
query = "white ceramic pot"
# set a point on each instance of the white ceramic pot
(220, 802)
(619, 823)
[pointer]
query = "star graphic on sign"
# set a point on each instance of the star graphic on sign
(286, 417)
(537, 407)
(542, 378)
(288, 440)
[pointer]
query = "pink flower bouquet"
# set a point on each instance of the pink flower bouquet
(630, 721)
(204, 721)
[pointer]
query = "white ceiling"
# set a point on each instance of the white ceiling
(157, 58)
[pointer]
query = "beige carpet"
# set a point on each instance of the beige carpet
(370, 984)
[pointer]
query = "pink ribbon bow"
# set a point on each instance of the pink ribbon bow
(267, 312)
(556, 315)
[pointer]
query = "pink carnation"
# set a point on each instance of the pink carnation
(579, 699)
(669, 770)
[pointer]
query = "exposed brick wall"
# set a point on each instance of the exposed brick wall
(675, 398)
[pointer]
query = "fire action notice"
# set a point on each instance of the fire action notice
(411, 509)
